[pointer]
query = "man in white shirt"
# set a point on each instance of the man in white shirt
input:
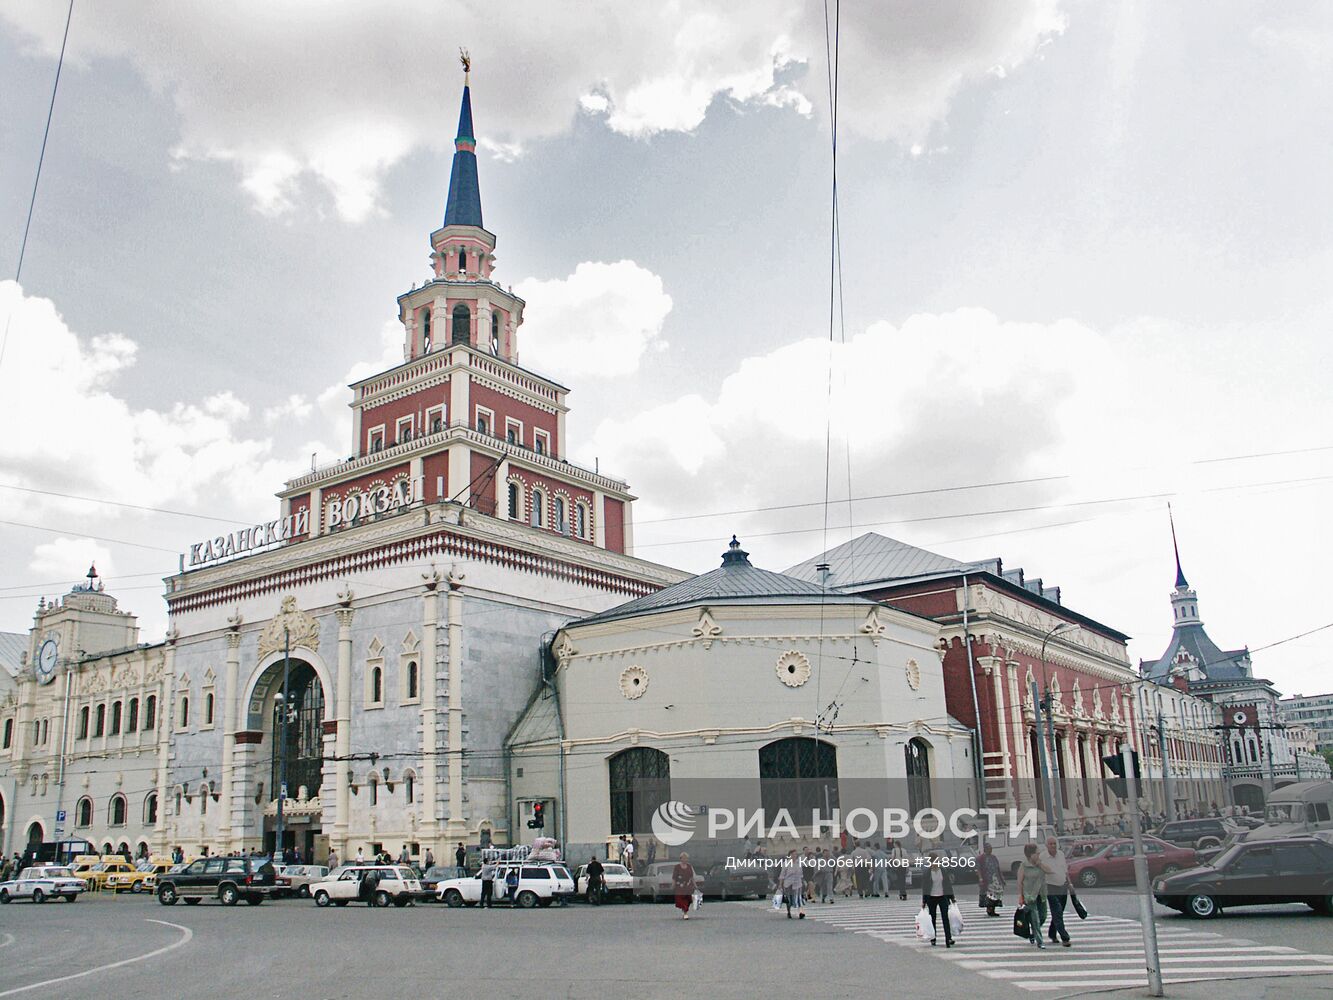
(1057, 889)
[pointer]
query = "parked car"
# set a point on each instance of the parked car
(616, 880)
(142, 879)
(736, 883)
(1006, 849)
(374, 885)
(539, 884)
(433, 876)
(99, 876)
(1253, 873)
(654, 881)
(42, 883)
(296, 880)
(1114, 863)
(229, 878)
(1211, 831)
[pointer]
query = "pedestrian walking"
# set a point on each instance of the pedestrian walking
(682, 884)
(594, 872)
(487, 876)
(990, 881)
(628, 855)
(879, 875)
(898, 867)
(937, 897)
(1057, 889)
(333, 860)
(460, 861)
(791, 881)
(1032, 893)
(827, 873)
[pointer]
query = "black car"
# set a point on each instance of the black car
(736, 883)
(1254, 873)
(1200, 834)
(230, 879)
(432, 877)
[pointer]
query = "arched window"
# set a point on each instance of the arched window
(410, 787)
(116, 813)
(185, 711)
(917, 758)
(800, 775)
(495, 332)
(150, 809)
(462, 329)
(561, 515)
(412, 679)
(203, 800)
(83, 812)
(150, 712)
(179, 796)
(640, 782)
(116, 717)
(374, 789)
(425, 330)
(83, 723)
(462, 260)
(538, 508)
(100, 727)
(580, 520)
(208, 709)
(132, 722)
(515, 504)
(376, 685)
(9, 733)
(46, 724)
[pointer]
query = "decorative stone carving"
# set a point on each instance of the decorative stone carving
(633, 682)
(707, 629)
(302, 629)
(913, 674)
(565, 650)
(872, 626)
(793, 668)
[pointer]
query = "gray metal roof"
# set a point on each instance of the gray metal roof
(1217, 664)
(734, 582)
(12, 646)
(873, 558)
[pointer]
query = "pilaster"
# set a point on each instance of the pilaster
(230, 788)
(429, 743)
(343, 739)
(456, 828)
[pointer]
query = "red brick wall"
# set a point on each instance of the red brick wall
(434, 467)
(506, 406)
(385, 475)
(388, 414)
(615, 525)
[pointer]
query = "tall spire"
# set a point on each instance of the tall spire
(464, 205)
(1181, 582)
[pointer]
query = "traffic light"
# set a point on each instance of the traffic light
(538, 821)
(1116, 765)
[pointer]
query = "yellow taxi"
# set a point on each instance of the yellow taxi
(111, 864)
(83, 865)
(142, 879)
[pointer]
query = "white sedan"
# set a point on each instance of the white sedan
(538, 885)
(41, 884)
(616, 880)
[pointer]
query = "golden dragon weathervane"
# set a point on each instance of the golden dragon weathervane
(466, 60)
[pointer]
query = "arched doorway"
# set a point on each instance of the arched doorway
(640, 782)
(917, 755)
(304, 750)
(291, 737)
(35, 834)
(800, 775)
(1249, 796)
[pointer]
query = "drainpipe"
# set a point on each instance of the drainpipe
(560, 731)
(980, 766)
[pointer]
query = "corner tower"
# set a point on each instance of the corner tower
(462, 304)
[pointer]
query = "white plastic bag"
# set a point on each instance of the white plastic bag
(955, 920)
(697, 901)
(777, 901)
(924, 930)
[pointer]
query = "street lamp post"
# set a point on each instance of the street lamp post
(1054, 766)
(282, 740)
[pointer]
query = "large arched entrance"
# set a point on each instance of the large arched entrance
(799, 775)
(35, 834)
(1250, 797)
(917, 754)
(287, 708)
(640, 782)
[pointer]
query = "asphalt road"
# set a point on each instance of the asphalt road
(132, 947)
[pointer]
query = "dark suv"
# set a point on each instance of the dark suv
(230, 879)
(1197, 833)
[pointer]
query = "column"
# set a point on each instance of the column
(993, 667)
(342, 745)
(316, 511)
(628, 530)
(231, 790)
(429, 742)
(165, 694)
(502, 491)
(456, 829)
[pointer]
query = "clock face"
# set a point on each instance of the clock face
(46, 660)
(1240, 718)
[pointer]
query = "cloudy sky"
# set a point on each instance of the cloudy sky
(1086, 247)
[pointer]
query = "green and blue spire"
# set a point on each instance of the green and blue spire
(464, 205)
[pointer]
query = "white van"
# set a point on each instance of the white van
(1297, 810)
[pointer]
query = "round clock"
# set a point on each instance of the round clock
(1240, 718)
(46, 661)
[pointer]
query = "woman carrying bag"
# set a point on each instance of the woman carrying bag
(990, 882)
(1032, 893)
(682, 884)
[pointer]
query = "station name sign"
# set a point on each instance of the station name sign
(343, 512)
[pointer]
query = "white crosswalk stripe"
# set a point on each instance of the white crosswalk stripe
(1107, 952)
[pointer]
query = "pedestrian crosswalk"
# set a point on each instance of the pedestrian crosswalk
(1107, 951)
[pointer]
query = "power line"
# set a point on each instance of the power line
(41, 158)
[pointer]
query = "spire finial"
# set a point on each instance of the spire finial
(1181, 582)
(735, 555)
(466, 60)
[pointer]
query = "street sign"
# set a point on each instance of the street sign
(60, 816)
(284, 789)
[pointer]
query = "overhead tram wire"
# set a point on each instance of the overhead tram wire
(37, 177)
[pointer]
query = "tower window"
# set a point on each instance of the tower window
(425, 330)
(462, 260)
(561, 520)
(513, 502)
(538, 502)
(462, 329)
(495, 333)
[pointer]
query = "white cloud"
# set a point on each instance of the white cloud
(295, 407)
(598, 321)
(288, 94)
(69, 559)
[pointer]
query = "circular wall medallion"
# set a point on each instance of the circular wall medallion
(793, 668)
(1240, 718)
(913, 674)
(633, 682)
